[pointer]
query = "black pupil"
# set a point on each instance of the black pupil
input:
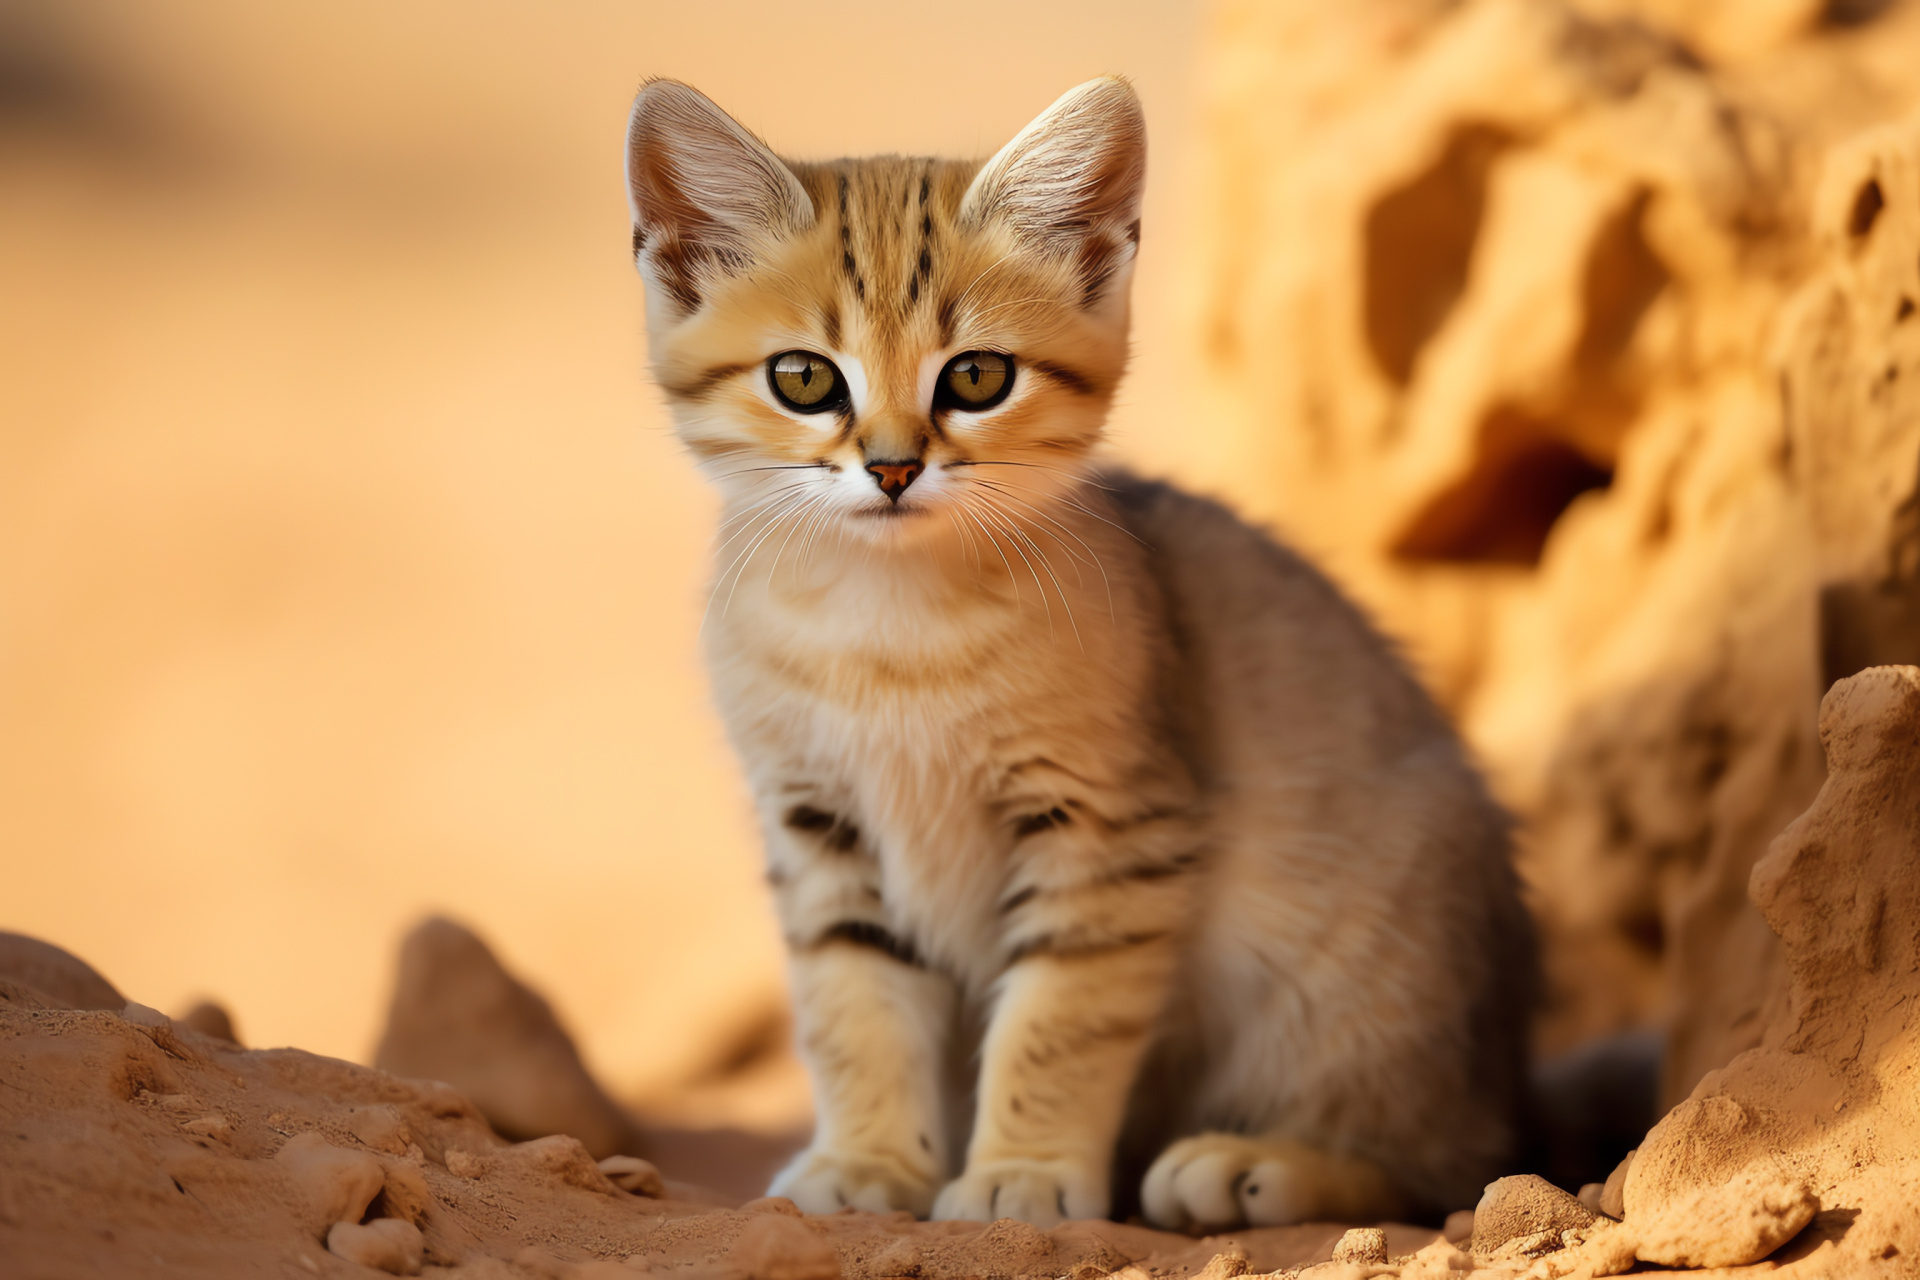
(806, 374)
(973, 372)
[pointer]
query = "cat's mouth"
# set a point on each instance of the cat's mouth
(891, 511)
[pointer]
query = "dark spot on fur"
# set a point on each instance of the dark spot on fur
(864, 933)
(804, 817)
(1072, 380)
(926, 186)
(1049, 945)
(834, 831)
(1019, 899)
(639, 240)
(702, 384)
(1035, 823)
(1905, 309)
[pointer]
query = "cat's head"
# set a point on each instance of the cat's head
(894, 345)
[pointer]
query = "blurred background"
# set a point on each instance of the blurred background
(348, 572)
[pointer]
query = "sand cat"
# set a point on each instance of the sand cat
(1107, 838)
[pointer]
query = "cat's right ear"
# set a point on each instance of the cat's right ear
(703, 191)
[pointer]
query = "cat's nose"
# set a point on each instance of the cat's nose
(894, 477)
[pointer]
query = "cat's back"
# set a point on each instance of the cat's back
(1266, 647)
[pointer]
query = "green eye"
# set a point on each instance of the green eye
(806, 382)
(975, 380)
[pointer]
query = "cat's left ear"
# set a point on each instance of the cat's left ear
(1070, 183)
(703, 190)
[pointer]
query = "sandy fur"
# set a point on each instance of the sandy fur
(1076, 760)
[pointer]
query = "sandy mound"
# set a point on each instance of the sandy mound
(137, 1145)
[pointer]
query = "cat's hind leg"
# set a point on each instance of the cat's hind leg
(1218, 1181)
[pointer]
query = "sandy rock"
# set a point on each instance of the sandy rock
(1813, 1116)
(774, 1247)
(1725, 1226)
(1542, 327)
(1525, 1206)
(1362, 1245)
(458, 1016)
(1439, 1260)
(210, 1126)
(562, 1157)
(385, 1244)
(380, 1128)
(210, 1019)
(330, 1183)
(465, 1164)
(1226, 1265)
(634, 1175)
(64, 979)
(1613, 1194)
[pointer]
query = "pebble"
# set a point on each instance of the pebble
(385, 1244)
(1363, 1245)
(1522, 1206)
(774, 1247)
(632, 1174)
(336, 1184)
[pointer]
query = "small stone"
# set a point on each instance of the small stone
(210, 1126)
(209, 1019)
(381, 1128)
(386, 1244)
(1226, 1265)
(565, 1158)
(1362, 1245)
(772, 1204)
(778, 1248)
(634, 1175)
(465, 1164)
(1728, 1224)
(337, 1185)
(1524, 1205)
(1613, 1196)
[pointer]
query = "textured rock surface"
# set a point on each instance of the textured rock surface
(1828, 1103)
(1577, 337)
(137, 1146)
(458, 1016)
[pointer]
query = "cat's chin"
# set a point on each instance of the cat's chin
(890, 523)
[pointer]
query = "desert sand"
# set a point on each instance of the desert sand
(138, 1145)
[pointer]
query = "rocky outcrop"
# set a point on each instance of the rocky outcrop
(1578, 339)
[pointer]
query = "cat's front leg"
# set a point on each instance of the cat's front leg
(873, 1029)
(872, 1024)
(1060, 1057)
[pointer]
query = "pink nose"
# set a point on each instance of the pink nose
(894, 477)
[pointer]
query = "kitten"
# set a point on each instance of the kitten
(1066, 777)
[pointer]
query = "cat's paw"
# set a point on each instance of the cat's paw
(1218, 1181)
(1042, 1192)
(824, 1181)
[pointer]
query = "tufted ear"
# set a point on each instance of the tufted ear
(702, 190)
(1071, 181)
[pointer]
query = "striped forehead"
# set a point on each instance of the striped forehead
(893, 224)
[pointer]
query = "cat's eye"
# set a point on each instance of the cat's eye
(806, 383)
(974, 380)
